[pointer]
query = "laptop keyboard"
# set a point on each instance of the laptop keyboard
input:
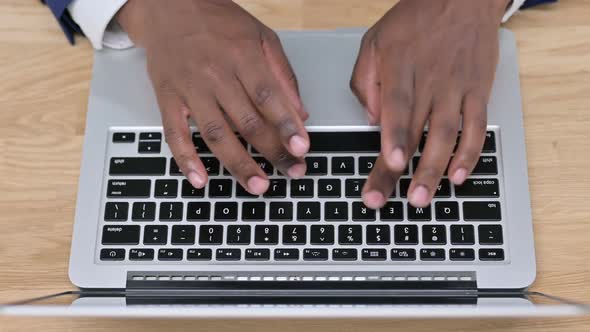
(150, 213)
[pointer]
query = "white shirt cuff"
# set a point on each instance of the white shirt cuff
(516, 4)
(95, 18)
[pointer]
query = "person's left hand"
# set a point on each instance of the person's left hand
(428, 61)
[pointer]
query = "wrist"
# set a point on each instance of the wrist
(129, 18)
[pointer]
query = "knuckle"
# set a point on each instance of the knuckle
(213, 132)
(401, 99)
(447, 131)
(251, 124)
(213, 71)
(286, 126)
(262, 95)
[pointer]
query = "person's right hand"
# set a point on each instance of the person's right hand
(212, 61)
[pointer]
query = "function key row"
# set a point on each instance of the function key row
(297, 235)
(312, 254)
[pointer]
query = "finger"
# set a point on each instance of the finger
(254, 129)
(472, 138)
(442, 136)
(178, 137)
(280, 66)
(380, 184)
(364, 82)
(397, 94)
(268, 96)
(222, 141)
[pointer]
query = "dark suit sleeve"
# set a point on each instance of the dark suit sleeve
(60, 11)
(532, 3)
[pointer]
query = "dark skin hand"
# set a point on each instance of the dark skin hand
(428, 62)
(212, 61)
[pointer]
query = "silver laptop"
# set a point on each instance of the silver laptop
(146, 243)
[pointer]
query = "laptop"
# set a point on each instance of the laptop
(147, 244)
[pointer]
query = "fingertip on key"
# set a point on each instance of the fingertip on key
(299, 145)
(459, 176)
(257, 185)
(397, 159)
(373, 199)
(419, 197)
(196, 180)
(296, 171)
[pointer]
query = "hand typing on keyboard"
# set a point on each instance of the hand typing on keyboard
(428, 61)
(212, 61)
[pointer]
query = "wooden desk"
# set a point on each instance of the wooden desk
(43, 96)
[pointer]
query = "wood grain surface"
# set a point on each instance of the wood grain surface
(43, 96)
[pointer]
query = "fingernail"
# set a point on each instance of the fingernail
(397, 159)
(459, 176)
(419, 197)
(257, 185)
(299, 145)
(296, 171)
(196, 180)
(373, 199)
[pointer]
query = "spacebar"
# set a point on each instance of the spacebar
(345, 141)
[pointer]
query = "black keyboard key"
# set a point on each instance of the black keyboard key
(460, 254)
(123, 137)
(266, 234)
(174, 169)
(350, 234)
(150, 136)
(486, 165)
(344, 254)
(220, 188)
(137, 166)
(120, 235)
(362, 141)
(302, 188)
(253, 211)
(149, 147)
(491, 254)
(226, 211)
(116, 211)
(257, 254)
(166, 189)
(423, 141)
(462, 234)
(478, 188)
(403, 254)
(199, 254)
(294, 234)
(308, 211)
(392, 211)
(374, 254)
(238, 234)
(322, 234)
(171, 211)
(443, 189)
(328, 188)
(343, 165)
(277, 189)
(280, 211)
(353, 187)
(200, 144)
(210, 234)
(143, 211)
(183, 234)
(316, 165)
(366, 165)
(228, 254)
(112, 254)
(434, 234)
(446, 211)
(129, 188)
(490, 234)
(432, 254)
(315, 254)
(489, 145)
(405, 234)
(211, 165)
(141, 254)
(188, 191)
(378, 235)
(404, 184)
(286, 254)
(362, 213)
(241, 192)
(265, 165)
(170, 254)
(482, 211)
(336, 211)
(419, 214)
(198, 211)
(155, 235)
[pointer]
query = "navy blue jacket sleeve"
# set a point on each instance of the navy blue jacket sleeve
(60, 11)
(531, 3)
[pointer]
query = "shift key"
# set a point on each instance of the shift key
(478, 188)
(129, 188)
